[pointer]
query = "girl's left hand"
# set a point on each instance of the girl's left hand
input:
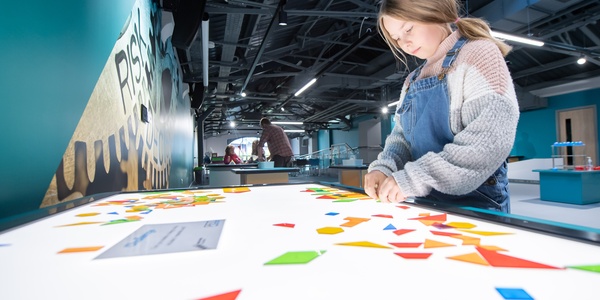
(389, 191)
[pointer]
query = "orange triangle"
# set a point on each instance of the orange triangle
(441, 217)
(435, 244)
(500, 260)
(227, 296)
(467, 240)
(474, 258)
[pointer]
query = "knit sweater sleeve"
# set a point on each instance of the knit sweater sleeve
(396, 152)
(483, 116)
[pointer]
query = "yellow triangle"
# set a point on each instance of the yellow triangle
(485, 233)
(474, 258)
(435, 244)
(363, 244)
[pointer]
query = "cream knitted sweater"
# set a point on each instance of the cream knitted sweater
(483, 118)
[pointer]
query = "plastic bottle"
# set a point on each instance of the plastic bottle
(589, 166)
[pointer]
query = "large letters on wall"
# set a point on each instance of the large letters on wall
(111, 148)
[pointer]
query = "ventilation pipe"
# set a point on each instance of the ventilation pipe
(205, 50)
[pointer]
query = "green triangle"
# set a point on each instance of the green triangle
(591, 268)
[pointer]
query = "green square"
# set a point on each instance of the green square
(296, 257)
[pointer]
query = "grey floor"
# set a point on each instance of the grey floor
(525, 201)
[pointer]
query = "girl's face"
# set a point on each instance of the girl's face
(416, 39)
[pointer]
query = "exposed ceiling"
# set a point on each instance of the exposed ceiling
(337, 42)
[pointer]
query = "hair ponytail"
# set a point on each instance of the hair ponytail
(475, 28)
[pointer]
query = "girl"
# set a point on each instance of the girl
(230, 156)
(456, 120)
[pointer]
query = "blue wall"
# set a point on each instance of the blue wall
(537, 128)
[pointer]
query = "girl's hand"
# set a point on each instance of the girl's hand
(372, 181)
(389, 191)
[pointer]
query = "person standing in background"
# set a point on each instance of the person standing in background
(278, 143)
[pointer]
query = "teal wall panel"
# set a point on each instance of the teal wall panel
(537, 128)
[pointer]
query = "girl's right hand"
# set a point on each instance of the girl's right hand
(372, 181)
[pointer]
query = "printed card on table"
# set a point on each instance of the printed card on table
(168, 238)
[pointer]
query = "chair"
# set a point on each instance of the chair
(301, 164)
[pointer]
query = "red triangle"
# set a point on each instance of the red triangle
(496, 259)
(413, 255)
(326, 197)
(290, 225)
(444, 233)
(383, 216)
(227, 296)
(402, 231)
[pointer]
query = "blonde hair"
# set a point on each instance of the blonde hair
(442, 12)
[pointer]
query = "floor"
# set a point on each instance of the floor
(525, 201)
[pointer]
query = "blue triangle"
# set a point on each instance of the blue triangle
(390, 227)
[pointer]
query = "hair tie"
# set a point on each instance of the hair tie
(456, 21)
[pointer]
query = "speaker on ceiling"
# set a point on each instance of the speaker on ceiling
(188, 19)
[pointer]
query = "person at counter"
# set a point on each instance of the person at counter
(278, 143)
(230, 156)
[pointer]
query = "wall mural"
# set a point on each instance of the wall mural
(111, 148)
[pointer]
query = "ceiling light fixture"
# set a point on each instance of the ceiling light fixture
(581, 60)
(517, 39)
(311, 82)
(243, 94)
(384, 110)
(282, 17)
(293, 130)
(394, 103)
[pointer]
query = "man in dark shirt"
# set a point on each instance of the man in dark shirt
(278, 143)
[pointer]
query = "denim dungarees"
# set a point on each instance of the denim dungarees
(425, 118)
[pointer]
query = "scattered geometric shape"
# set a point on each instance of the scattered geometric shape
(133, 218)
(500, 260)
(119, 221)
(235, 190)
(589, 268)
(289, 225)
(474, 258)
(326, 197)
(441, 226)
(332, 214)
(463, 225)
(295, 257)
(514, 294)
(435, 244)
(330, 230)
(344, 200)
(403, 206)
(428, 222)
(113, 213)
(383, 216)
(81, 249)
(413, 255)
(402, 231)
(492, 248)
(353, 221)
(78, 224)
(390, 227)
(441, 217)
(226, 296)
(363, 244)
(467, 240)
(484, 233)
(406, 245)
(4, 245)
(444, 233)
(88, 214)
(424, 214)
